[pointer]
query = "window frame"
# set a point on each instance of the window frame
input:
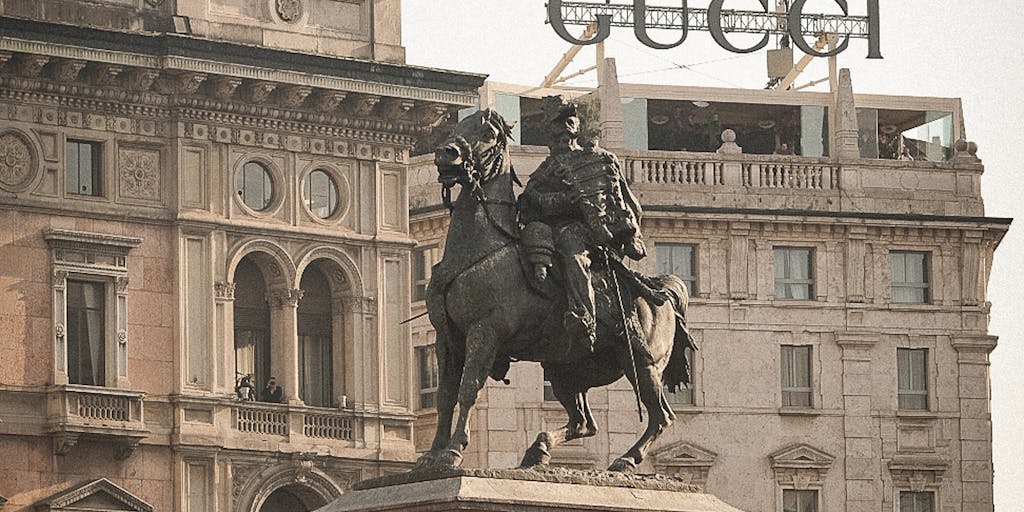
(817, 498)
(689, 390)
(930, 492)
(422, 263)
(96, 172)
(911, 392)
(423, 355)
(925, 286)
(104, 333)
(307, 193)
(808, 389)
(99, 258)
(786, 280)
(692, 281)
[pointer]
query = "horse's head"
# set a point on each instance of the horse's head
(475, 151)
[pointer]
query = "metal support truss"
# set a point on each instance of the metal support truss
(751, 22)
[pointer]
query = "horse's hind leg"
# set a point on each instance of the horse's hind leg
(581, 424)
(652, 397)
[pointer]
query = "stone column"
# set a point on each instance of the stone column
(120, 359)
(846, 138)
(855, 253)
(862, 449)
(60, 323)
(224, 316)
(738, 285)
(612, 136)
(975, 434)
(284, 342)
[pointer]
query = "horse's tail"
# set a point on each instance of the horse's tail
(677, 371)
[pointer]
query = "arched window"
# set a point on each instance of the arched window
(315, 340)
(252, 324)
(321, 194)
(254, 186)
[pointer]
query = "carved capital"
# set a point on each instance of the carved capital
(364, 305)
(140, 79)
(360, 105)
(430, 114)
(60, 277)
(292, 96)
(180, 82)
(285, 298)
(257, 92)
(30, 66)
(126, 448)
(326, 101)
(224, 291)
(121, 284)
(66, 70)
(104, 74)
(64, 442)
(223, 87)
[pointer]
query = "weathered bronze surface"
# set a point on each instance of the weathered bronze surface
(494, 299)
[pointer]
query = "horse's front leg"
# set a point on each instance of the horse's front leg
(449, 369)
(657, 420)
(481, 349)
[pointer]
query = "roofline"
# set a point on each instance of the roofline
(998, 221)
(162, 44)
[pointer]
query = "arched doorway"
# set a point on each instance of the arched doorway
(252, 323)
(316, 346)
(292, 498)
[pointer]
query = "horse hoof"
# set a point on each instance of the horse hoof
(623, 465)
(535, 457)
(448, 459)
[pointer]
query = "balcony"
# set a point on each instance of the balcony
(263, 419)
(75, 412)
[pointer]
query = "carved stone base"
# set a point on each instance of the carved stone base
(546, 490)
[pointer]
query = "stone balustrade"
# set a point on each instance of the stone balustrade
(745, 181)
(288, 421)
(115, 414)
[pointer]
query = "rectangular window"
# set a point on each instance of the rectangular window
(684, 394)
(85, 334)
(83, 168)
(794, 273)
(917, 501)
(910, 277)
(799, 501)
(680, 260)
(426, 360)
(423, 259)
(796, 376)
(912, 371)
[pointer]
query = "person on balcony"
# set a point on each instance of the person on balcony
(272, 393)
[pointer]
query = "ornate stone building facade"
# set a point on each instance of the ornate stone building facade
(838, 297)
(191, 193)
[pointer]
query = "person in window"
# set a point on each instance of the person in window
(783, 149)
(906, 154)
(272, 393)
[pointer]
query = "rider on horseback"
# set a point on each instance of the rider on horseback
(580, 193)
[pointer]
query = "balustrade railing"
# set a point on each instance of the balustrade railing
(671, 171)
(103, 407)
(327, 426)
(791, 175)
(262, 420)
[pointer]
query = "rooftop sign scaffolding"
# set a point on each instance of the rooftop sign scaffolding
(792, 22)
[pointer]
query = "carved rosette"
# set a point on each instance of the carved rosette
(139, 171)
(289, 10)
(17, 162)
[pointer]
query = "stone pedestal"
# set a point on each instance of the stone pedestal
(546, 490)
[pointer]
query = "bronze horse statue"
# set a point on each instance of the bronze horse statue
(486, 313)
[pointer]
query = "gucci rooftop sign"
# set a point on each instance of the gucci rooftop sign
(793, 22)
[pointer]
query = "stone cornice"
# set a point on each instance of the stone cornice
(984, 344)
(61, 237)
(185, 53)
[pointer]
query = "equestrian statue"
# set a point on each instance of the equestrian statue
(541, 278)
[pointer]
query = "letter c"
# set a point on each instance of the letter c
(715, 27)
(604, 25)
(796, 32)
(640, 26)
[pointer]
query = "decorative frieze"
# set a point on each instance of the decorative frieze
(801, 466)
(257, 92)
(292, 96)
(223, 87)
(30, 66)
(66, 70)
(140, 79)
(103, 74)
(139, 173)
(917, 473)
(289, 10)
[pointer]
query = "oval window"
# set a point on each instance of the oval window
(254, 186)
(321, 194)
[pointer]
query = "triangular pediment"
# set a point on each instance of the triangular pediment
(801, 456)
(683, 454)
(96, 495)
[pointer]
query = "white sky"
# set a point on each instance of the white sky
(969, 50)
